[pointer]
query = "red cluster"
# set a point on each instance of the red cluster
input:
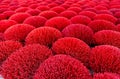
(60, 39)
(106, 75)
(23, 63)
(62, 67)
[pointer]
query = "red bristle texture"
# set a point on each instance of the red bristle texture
(77, 31)
(18, 32)
(68, 14)
(89, 14)
(23, 63)
(53, 4)
(107, 17)
(5, 24)
(13, 8)
(69, 27)
(74, 47)
(65, 6)
(19, 17)
(7, 14)
(107, 37)
(62, 67)
(22, 9)
(105, 58)
(33, 6)
(75, 9)
(106, 75)
(2, 37)
(7, 48)
(58, 22)
(33, 12)
(43, 35)
(105, 12)
(90, 9)
(99, 7)
(36, 21)
(98, 25)
(58, 9)
(43, 8)
(80, 19)
(48, 14)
